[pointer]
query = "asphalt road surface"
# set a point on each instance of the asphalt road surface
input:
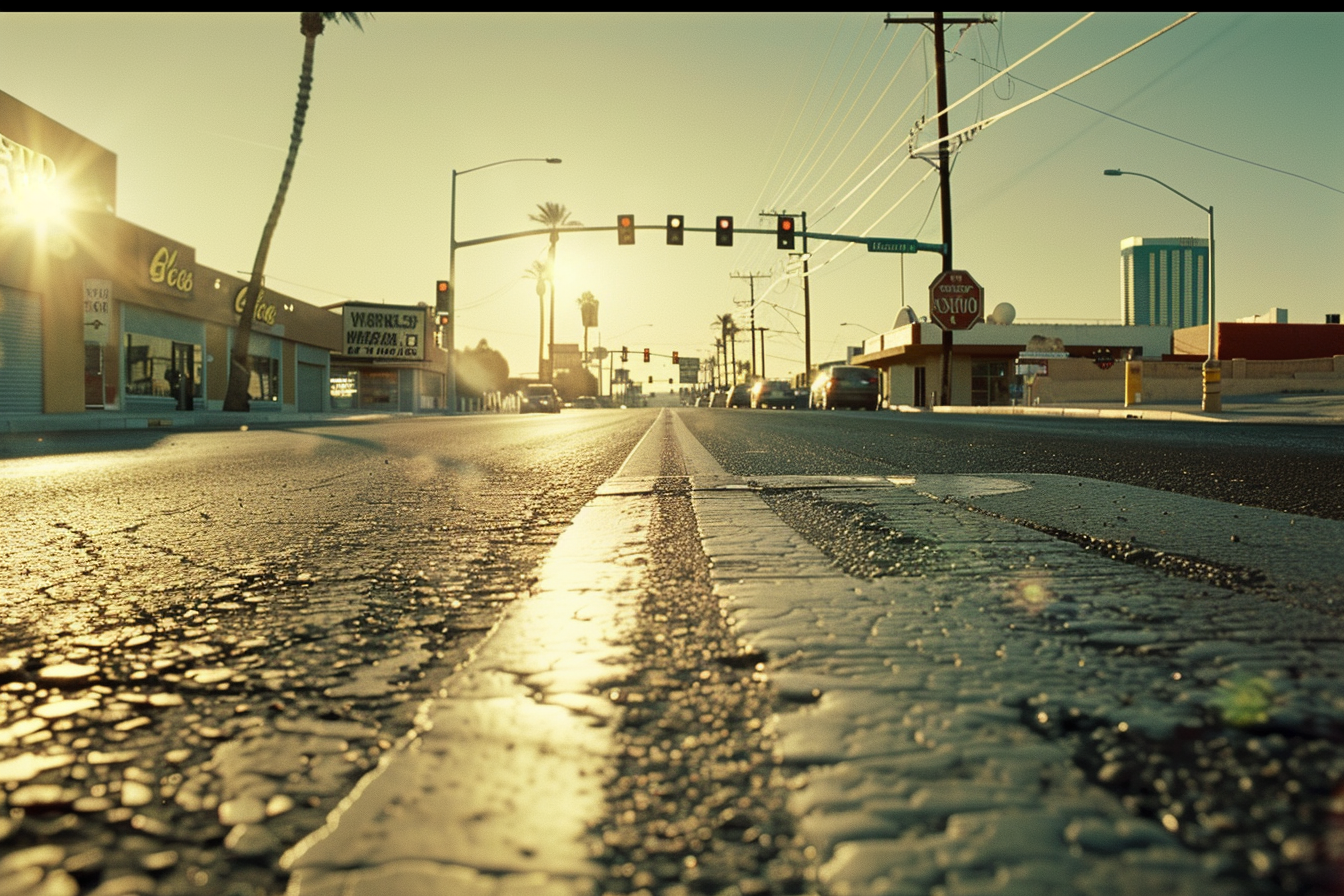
(211, 638)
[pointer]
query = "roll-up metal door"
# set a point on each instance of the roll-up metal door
(20, 352)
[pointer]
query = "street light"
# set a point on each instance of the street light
(448, 336)
(1213, 374)
(865, 326)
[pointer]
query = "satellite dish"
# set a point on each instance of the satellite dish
(905, 317)
(1002, 314)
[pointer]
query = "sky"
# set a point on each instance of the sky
(714, 114)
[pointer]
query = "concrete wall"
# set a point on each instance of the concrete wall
(1075, 380)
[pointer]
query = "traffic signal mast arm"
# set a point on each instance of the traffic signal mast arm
(838, 237)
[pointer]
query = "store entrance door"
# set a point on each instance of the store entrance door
(184, 386)
(93, 377)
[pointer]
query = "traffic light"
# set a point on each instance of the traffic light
(443, 318)
(646, 356)
(676, 230)
(625, 354)
(676, 357)
(723, 230)
(625, 230)
(784, 232)
(441, 295)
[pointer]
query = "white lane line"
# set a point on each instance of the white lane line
(500, 785)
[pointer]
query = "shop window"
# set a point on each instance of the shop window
(990, 383)
(379, 389)
(344, 389)
(162, 368)
(265, 382)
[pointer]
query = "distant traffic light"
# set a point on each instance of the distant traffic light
(723, 230)
(646, 356)
(443, 318)
(625, 354)
(784, 232)
(625, 230)
(676, 357)
(676, 230)
(441, 295)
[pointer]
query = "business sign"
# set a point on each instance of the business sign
(689, 368)
(97, 310)
(956, 301)
(385, 332)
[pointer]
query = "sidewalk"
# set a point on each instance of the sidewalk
(1272, 408)
(93, 421)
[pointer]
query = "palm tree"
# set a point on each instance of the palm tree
(554, 216)
(311, 25)
(540, 271)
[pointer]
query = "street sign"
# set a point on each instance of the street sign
(878, 244)
(689, 370)
(956, 301)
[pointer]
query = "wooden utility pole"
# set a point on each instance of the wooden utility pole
(751, 279)
(937, 24)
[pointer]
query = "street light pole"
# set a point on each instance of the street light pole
(1213, 373)
(451, 299)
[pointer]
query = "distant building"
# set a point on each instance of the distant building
(1164, 281)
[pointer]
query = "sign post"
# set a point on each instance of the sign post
(956, 302)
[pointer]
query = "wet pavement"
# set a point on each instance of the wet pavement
(1015, 713)
(985, 684)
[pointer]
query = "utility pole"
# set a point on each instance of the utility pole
(751, 279)
(937, 24)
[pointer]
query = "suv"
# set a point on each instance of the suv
(540, 397)
(846, 385)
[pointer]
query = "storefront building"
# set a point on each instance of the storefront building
(986, 358)
(100, 315)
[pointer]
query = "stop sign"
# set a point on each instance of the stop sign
(956, 301)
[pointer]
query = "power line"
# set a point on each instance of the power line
(1144, 127)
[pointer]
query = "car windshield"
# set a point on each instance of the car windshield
(852, 374)
(539, 391)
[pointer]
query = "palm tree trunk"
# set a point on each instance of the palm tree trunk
(240, 374)
(541, 334)
(550, 351)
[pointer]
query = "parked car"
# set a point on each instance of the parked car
(740, 397)
(772, 394)
(586, 401)
(539, 398)
(846, 386)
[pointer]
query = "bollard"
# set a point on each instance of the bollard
(1133, 382)
(1213, 386)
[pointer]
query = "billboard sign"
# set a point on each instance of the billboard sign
(385, 332)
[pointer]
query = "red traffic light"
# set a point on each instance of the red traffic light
(441, 294)
(625, 230)
(723, 230)
(646, 356)
(676, 357)
(784, 232)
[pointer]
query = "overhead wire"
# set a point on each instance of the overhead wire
(1190, 143)
(986, 122)
(835, 132)
(804, 156)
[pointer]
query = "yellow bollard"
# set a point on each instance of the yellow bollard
(1213, 386)
(1133, 382)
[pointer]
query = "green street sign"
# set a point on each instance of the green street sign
(878, 244)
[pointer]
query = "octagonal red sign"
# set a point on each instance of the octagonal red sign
(956, 301)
